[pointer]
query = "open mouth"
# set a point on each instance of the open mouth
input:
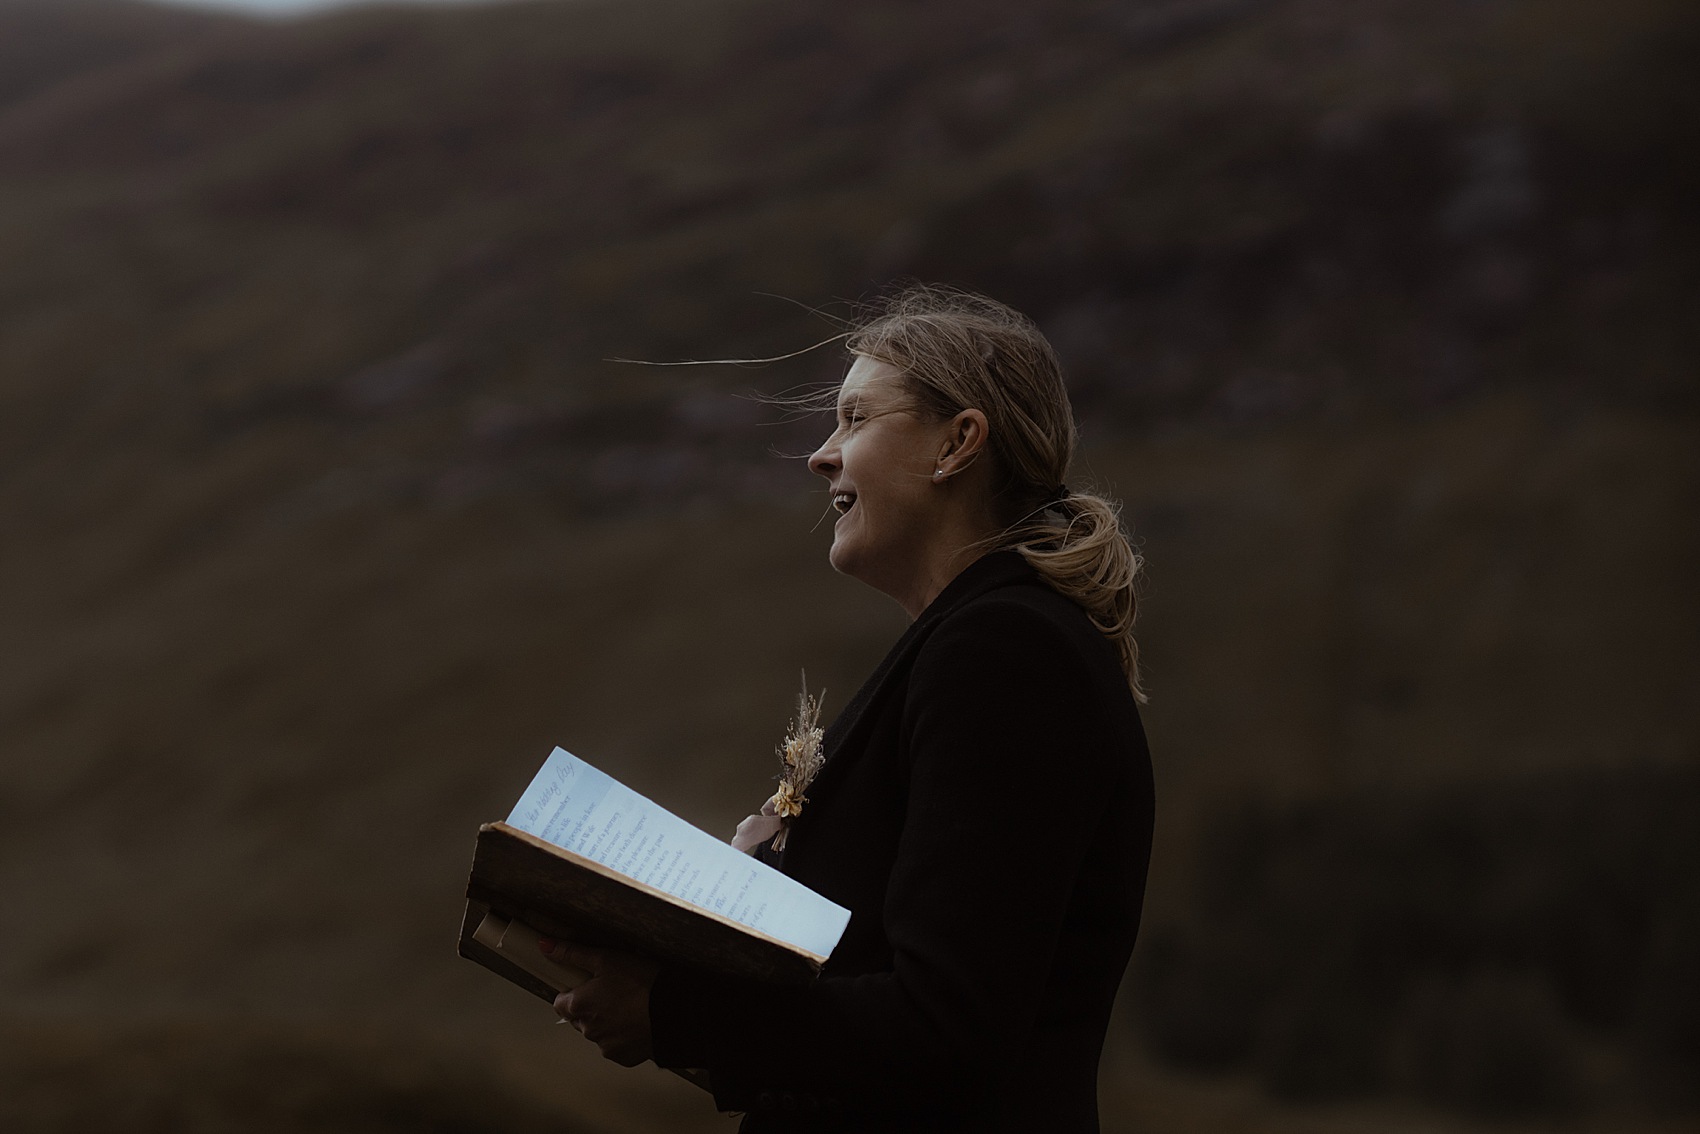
(843, 501)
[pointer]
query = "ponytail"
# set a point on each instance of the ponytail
(1078, 547)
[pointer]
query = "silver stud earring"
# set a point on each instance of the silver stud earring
(938, 474)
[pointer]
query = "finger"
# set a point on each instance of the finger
(561, 951)
(626, 1051)
(583, 957)
(627, 1055)
(563, 1005)
(754, 831)
(552, 945)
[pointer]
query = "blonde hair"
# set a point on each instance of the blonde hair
(956, 351)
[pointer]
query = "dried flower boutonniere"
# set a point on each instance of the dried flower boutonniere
(801, 757)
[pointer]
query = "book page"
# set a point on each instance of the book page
(588, 812)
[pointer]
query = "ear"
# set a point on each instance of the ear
(965, 435)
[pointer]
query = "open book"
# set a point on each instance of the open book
(584, 857)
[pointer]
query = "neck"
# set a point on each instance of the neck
(949, 554)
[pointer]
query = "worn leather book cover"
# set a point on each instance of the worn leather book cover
(518, 877)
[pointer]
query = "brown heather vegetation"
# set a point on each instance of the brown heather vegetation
(322, 517)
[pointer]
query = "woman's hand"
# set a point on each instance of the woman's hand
(757, 829)
(611, 1009)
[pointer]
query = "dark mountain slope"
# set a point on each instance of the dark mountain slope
(323, 515)
(44, 43)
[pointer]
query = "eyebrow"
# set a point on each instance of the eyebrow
(883, 402)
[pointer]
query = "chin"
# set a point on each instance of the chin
(845, 559)
(840, 558)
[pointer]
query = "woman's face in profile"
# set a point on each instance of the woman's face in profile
(879, 463)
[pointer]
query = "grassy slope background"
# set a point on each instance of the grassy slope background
(324, 517)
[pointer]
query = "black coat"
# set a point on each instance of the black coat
(985, 813)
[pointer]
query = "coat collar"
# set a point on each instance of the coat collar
(990, 572)
(844, 739)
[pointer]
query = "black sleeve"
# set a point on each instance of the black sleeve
(1003, 741)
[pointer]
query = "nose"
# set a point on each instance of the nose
(824, 461)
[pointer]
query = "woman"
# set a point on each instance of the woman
(985, 807)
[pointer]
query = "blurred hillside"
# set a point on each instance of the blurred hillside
(324, 515)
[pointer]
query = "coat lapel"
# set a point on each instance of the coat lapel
(845, 737)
